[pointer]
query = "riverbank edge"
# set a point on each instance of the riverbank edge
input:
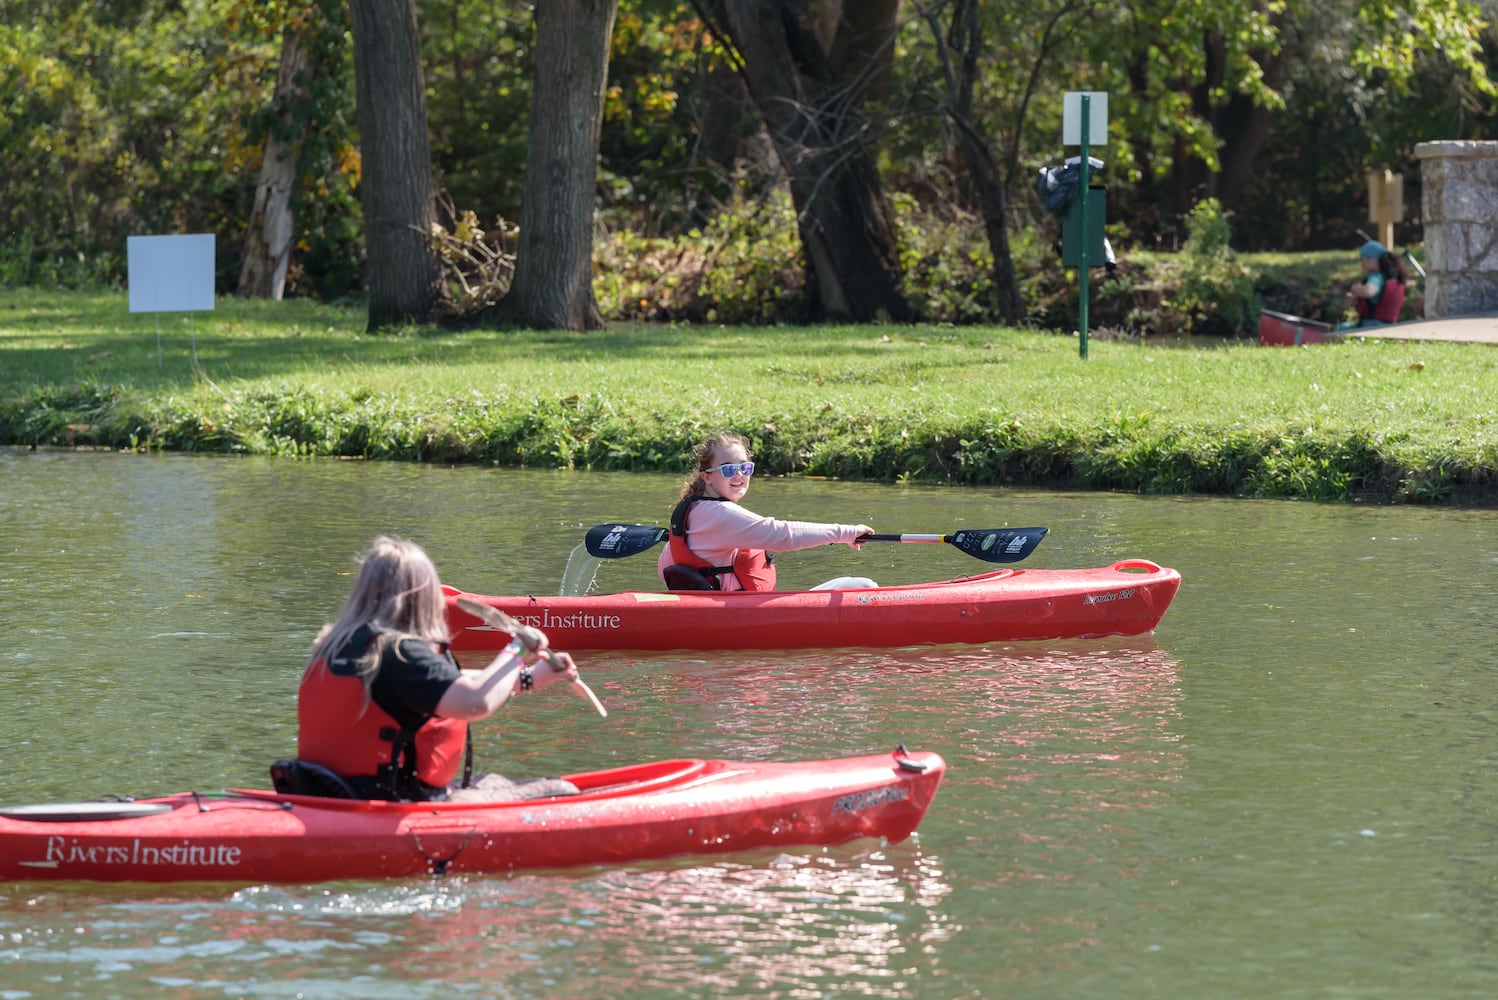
(1262, 465)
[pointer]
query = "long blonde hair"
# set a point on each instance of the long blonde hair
(396, 593)
(702, 460)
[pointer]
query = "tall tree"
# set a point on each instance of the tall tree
(845, 224)
(267, 250)
(399, 190)
(553, 287)
(305, 138)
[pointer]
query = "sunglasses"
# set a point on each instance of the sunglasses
(728, 469)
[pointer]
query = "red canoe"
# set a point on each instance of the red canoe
(1126, 598)
(631, 813)
(1283, 330)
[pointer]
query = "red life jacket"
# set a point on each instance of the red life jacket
(339, 727)
(1386, 307)
(753, 568)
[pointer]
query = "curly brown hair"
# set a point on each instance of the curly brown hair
(702, 460)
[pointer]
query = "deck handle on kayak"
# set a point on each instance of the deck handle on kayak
(995, 545)
(1136, 566)
(905, 762)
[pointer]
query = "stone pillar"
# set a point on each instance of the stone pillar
(1459, 212)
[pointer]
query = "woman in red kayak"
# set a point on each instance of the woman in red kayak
(718, 544)
(382, 702)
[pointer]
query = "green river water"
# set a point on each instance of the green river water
(1284, 792)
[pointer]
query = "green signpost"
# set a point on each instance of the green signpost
(1084, 119)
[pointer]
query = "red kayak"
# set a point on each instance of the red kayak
(630, 813)
(1126, 598)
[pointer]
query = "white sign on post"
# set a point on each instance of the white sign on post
(170, 273)
(1097, 118)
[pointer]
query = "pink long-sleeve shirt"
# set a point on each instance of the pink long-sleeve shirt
(716, 530)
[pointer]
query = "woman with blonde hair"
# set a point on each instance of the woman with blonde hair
(384, 705)
(718, 544)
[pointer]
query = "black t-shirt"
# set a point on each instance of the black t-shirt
(411, 680)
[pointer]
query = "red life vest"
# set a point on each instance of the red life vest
(1386, 307)
(339, 727)
(753, 568)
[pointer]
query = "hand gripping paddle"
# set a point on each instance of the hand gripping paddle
(500, 620)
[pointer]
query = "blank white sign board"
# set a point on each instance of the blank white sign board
(171, 273)
(1097, 118)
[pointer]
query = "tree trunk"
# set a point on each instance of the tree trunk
(398, 189)
(1242, 124)
(846, 227)
(966, 41)
(862, 53)
(553, 286)
(725, 106)
(267, 251)
(958, 51)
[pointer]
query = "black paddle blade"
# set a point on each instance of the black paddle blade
(998, 545)
(615, 541)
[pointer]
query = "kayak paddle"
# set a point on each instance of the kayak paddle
(995, 545)
(615, 541)
(500, 620)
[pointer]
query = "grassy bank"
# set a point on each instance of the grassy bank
(1377, 421)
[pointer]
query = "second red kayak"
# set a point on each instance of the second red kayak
(1127, 598)
(652, 810)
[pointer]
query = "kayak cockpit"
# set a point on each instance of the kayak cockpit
(634, 779)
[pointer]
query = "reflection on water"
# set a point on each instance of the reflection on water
(786, 924)
(1288, 786)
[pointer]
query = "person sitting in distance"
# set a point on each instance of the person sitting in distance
(1379, 295)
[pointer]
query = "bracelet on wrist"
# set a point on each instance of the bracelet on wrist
(527, 679)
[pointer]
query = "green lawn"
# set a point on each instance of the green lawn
(1380, 421)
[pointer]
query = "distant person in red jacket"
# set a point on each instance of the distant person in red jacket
(1379, 295)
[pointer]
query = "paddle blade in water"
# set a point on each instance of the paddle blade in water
(582, 690)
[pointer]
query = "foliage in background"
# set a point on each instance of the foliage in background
(476, 56)
(1216, 291)
(107, 132)
(127, 118)
(743, 267)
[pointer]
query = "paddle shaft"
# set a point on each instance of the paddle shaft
(500, 620)
(617, 541)
(997, 545)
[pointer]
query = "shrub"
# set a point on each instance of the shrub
(1216, 291)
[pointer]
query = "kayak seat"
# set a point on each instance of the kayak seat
(679, 577)
(303, 777)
